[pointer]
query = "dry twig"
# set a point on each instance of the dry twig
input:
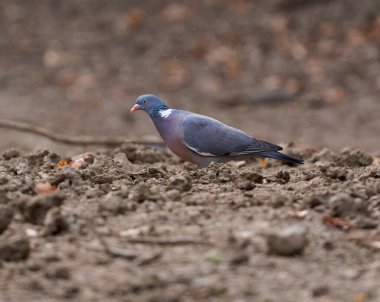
(148, 259)
(114, 252)
(168, 241)
(72, 140)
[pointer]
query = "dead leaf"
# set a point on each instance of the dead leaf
(374, 30)
(175, 73)
(227, 58)
(63, 163)
(355, 37)
(76, 162)
(176, 12)
(363, 239)
(54, 58)
(66, 79)
(44, 187)
(263, 164)
(292, 85)
(338, 222)
(239, 6)
(360, 297)
(134, 18)
(299, 213)
(272, 82)
(315, 67)
(200, 50)
(335, 95)
(81, 160)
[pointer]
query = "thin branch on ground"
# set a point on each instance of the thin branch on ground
(148, 259)
(72, 140)
(114, 252)
(168, 241)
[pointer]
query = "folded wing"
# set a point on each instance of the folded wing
(209, 137)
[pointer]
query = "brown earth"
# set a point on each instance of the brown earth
(137, 224)
(104, 228)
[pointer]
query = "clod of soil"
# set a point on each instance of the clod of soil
(172, 229)
(343, 205)
(54, 222)
(181, 183)
(6, 215)
(35, 208)
(14, 248)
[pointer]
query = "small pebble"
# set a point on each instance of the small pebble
(289, 241)
(11, 153)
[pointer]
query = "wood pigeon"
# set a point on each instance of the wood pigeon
(201, 139)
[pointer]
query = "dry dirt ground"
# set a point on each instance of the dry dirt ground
(135, 223)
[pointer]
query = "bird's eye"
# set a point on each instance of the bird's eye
(144, 101)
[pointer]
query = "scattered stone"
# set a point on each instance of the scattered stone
(290, 241)
(14, 248)
(181, 182)
(11, 153)
(6, 215)
(35, 208)
(54, 222)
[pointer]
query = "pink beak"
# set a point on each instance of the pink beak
(135, 107)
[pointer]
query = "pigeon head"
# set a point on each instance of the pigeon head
(151, 104)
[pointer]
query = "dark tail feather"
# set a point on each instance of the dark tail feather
(281, 156)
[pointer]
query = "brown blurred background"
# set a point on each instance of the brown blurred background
(298, 71)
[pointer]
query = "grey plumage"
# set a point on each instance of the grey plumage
(201, 139)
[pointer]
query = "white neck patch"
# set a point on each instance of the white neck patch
(165, 113)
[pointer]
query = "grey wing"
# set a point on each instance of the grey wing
(209, 137)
